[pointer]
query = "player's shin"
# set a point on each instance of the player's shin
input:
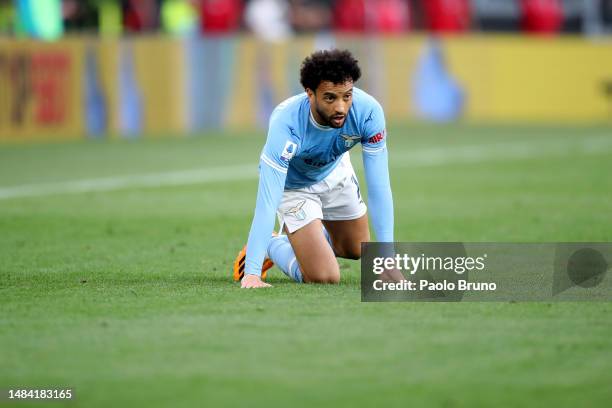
(281, 253)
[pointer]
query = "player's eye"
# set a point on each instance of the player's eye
(347, 97)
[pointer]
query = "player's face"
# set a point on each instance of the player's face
(331, 103)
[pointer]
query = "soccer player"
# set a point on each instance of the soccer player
(306, 178)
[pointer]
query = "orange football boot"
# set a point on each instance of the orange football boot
(240, 260)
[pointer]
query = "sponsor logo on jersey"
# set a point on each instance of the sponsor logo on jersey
(288, 151)
(322, 162)
(377, 137)
(350, 140)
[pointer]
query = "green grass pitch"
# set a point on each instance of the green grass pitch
(124, 294)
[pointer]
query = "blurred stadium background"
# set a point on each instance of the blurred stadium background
(129, 138)
(99, 69)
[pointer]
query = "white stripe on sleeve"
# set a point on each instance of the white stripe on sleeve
(372, 150)
(272, 164)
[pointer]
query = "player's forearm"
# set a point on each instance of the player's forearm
(261, 230)
(269, 194)
(380, 198)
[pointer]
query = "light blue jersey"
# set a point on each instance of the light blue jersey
(299, 153)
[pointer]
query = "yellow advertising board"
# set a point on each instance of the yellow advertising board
(508, 79)
(42, 86)
(40, 90)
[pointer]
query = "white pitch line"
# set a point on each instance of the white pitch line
(173, 178)
(502, 151)
(414, 158)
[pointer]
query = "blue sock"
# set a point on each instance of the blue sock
(327, 237)
(281, 253)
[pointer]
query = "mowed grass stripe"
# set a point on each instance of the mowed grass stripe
(127, 297)
(438, 156)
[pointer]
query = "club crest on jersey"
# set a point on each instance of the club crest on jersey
(297, 211)
(350, 140)
(288, 151)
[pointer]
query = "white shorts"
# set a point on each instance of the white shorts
(336, 197)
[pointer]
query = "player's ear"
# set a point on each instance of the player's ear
(311, 96)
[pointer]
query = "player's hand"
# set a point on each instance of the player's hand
(253, 281)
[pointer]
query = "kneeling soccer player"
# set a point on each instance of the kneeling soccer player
(307, 178)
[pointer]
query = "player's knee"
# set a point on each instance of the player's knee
(331, 277)
(330, 274)
(351, 251)
(354, 252)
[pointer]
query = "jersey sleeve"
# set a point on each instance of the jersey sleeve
(281, 145)
(373, 133)
(376, 165)
(280, 148)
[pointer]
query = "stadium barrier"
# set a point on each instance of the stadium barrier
(154, 85)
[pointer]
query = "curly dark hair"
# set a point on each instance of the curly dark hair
(337, 66)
